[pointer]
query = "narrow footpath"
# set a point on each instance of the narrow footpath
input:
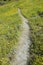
(24, 43)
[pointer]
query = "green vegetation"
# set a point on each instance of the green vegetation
(10, 25)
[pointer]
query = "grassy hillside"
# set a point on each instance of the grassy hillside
(10, 25)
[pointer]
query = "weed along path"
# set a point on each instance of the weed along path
(24, 43)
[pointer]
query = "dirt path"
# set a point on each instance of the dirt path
(24, 43)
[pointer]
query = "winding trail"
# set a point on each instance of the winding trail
(24, 44)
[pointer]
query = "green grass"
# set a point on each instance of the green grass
(10, 27)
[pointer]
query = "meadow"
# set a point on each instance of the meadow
(10, 26)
